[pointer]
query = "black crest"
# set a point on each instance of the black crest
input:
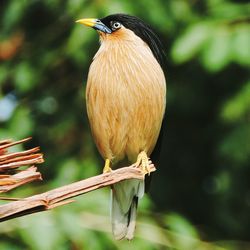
(141, 29)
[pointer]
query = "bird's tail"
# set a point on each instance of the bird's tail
(125, 197)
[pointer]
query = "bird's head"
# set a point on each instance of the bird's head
(121, 25)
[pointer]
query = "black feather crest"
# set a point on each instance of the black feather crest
(141, 29)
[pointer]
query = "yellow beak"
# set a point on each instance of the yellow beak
(96, 24)
(90, 22)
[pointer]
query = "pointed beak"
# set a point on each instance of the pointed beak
(95, 24)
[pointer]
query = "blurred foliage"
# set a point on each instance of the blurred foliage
(200, 196)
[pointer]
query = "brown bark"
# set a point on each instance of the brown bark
(60, 196)
(11, 176)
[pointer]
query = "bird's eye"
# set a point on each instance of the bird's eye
(116, 25)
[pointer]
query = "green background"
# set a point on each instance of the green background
(200, 195)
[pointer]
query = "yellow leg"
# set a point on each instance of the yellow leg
(143, 162)
(107, 167)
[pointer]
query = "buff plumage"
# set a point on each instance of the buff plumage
(126, 93)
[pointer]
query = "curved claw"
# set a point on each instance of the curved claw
(143, 162)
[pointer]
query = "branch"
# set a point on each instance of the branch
(59, 196)
(10, 174)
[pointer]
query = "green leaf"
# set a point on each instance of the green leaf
(236, 108)
(14, 12)
(236, 145)
(3, 73)
(191, 42)
(77, 43)
(25, 77)
(241, 43)
(40, 232)
(179, 224)
(217, 54)
(74, 6)
(21, 124)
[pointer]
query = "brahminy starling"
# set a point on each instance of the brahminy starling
(126, 99)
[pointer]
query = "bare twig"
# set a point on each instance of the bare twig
(13, 155)
(12, 181)
(9, 143)
(59, 196)
(10, 174)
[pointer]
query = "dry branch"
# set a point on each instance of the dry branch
(11, 177)
(12, 181)
(60, 196)
(10, 174)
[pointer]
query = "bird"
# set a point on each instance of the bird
(126, 101)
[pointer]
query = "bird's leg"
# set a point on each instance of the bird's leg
(107, 167)
(143, 162)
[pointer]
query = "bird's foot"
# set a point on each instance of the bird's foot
(107, 167)
(143, 162)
